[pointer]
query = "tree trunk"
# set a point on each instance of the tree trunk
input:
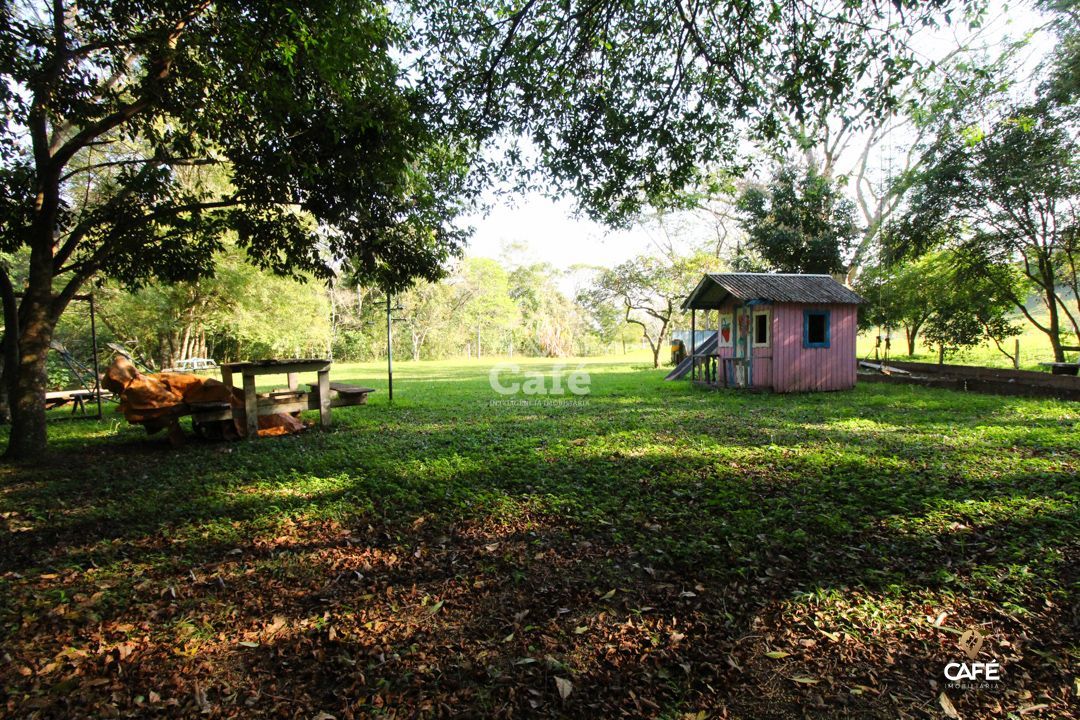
(1055, 327)
(910, 334)
(5, 406)
(1047, 279)
(9, 346)
(174, 349)
(185, 343)
(28, 433)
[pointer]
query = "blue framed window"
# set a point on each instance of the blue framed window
(815, 329)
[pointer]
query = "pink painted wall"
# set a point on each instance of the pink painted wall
(798, 368)
(786, 366)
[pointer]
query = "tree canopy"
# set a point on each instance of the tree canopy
(1006, 195)
(624, 105)
(649, 291)
(800, 222)
(138, 133)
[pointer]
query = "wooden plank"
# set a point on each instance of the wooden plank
(282, 395)
(324, 397)
(294, 380)
(290, 406)
(283, 367)
(251, 407)
(226, 375)
(343, 388)
(205, 412)
(881, 367)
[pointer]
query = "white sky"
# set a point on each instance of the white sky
(551, 233)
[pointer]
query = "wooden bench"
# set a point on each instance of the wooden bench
(1064, 368)
(285, 401)
(343, 395)
(282, 395)
(77, 398)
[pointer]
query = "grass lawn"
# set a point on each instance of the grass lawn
(1034, 349)
(648, 550)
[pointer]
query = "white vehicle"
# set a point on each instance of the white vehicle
(194, 364)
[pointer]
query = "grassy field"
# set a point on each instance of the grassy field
(646, 550)
(1034, 349)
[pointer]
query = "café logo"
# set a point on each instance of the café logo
(504, 379)
(973, 673)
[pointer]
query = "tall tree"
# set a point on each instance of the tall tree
(432, 308)
(649, 290)
(947, 295)
(113, 112)
(800, 222)
(1010, 196)
(899, 294)
(974, 305)
(549, 322)
(490, 313)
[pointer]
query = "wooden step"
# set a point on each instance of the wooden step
(281, 395)
(344, 394)
(343, 388)
(209, 406)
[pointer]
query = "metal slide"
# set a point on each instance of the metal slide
(706, 348)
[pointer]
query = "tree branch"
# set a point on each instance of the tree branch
(159, 70)
(93, 263)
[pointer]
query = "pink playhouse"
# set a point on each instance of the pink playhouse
(781, 332)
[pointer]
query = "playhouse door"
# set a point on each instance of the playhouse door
(742, 348)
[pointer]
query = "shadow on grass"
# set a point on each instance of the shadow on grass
(650, 547)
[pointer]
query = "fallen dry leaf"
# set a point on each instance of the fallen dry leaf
(947, 706)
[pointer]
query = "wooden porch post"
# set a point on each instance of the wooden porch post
(693, 343)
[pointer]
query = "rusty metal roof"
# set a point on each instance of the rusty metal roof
(715, 289)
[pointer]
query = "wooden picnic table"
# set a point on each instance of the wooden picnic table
(292, 369)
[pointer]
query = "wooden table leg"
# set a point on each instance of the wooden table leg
(226, 376)
(324, 398)
(251, 407)
(294, 381)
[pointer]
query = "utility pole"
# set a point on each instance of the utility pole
(389, 350)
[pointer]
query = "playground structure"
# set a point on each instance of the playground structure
(86, 377)
(774, 331)
(86, 374)
(700, 352)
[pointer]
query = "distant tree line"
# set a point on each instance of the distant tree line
(480, 308)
